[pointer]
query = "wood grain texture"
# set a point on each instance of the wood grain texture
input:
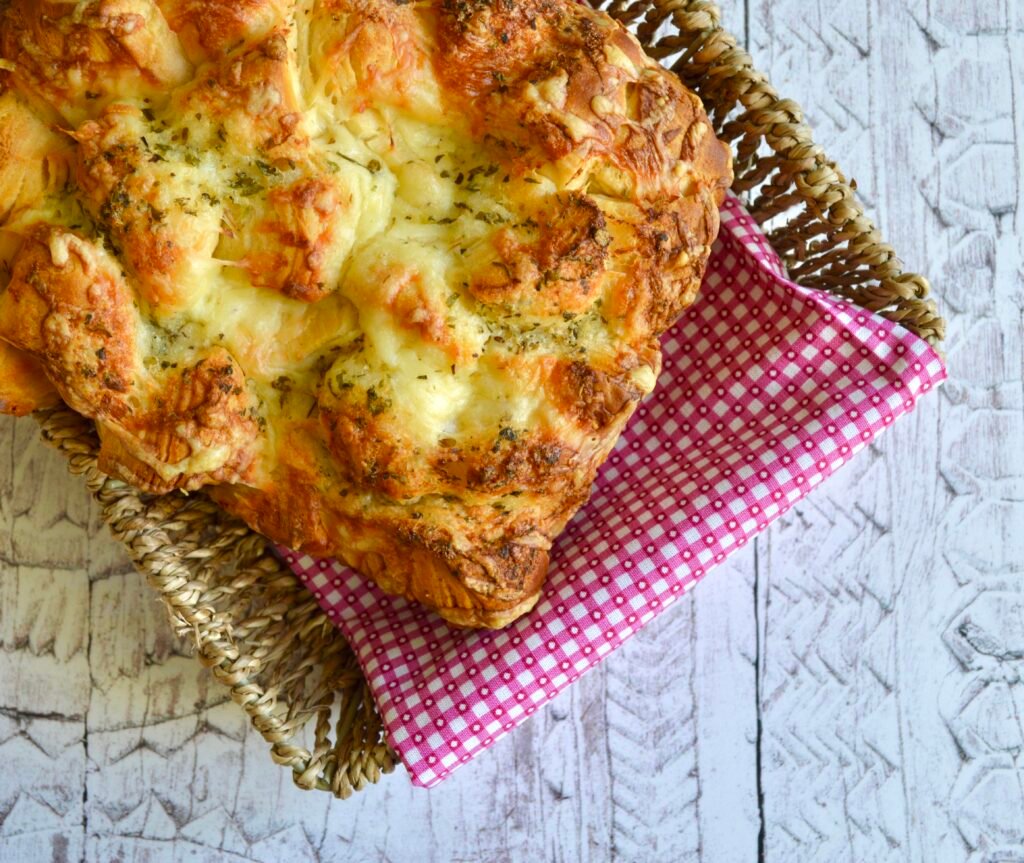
(151, 762)
(846, 689)
(891, 601)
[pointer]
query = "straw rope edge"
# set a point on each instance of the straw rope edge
(257, 628)
(200, 560)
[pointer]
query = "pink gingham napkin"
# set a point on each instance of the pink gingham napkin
(767, 388)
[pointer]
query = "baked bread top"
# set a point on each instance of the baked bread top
(386, 277)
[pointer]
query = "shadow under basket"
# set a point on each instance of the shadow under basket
(261, 632)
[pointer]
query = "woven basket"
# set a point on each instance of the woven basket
(255, 626)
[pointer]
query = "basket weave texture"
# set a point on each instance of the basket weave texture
(260, 631)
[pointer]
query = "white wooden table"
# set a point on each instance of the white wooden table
(847, 689)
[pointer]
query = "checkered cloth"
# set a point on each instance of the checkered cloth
(767, 388)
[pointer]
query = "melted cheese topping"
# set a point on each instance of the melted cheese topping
(410, 211)
(412, 258)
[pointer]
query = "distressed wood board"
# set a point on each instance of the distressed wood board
(848, 688)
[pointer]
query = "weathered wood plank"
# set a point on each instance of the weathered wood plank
(887, 723)
(41, 805)
(683, 729)
(44, 673)
(49, 514)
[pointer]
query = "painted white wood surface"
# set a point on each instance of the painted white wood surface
(848, 689)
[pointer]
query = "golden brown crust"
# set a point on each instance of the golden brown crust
(67, 304)
(183, 426)
(24, 387)
(290, 246)
(489, 585)
(78, 58)
(157, 241)
(194, 411)
(210, 30)
(387, 278)
(252, 96)
(33, 159)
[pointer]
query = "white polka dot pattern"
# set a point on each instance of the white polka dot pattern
(767, 389)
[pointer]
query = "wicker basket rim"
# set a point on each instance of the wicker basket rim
(258, 629)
